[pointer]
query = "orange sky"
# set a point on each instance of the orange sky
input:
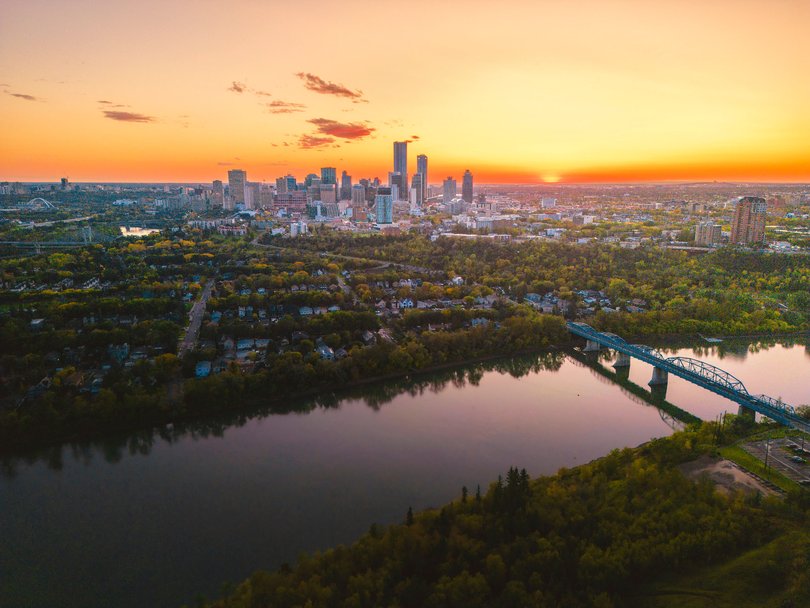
(586, 90)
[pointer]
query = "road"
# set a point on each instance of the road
(382, 263)
(195, 316)
(778, 458)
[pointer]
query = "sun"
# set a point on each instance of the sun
(550, 179)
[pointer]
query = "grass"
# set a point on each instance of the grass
(736, 454)
(771, 576)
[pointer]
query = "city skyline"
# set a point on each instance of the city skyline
(525, 93)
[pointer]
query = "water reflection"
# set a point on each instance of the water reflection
(375, 396)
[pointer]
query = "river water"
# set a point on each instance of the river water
(156, 518)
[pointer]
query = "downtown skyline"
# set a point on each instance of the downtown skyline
(527, 93)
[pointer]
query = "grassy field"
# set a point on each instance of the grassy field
(775, 575)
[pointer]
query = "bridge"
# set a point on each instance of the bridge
(698, 372)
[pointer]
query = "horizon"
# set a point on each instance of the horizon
(620, 92)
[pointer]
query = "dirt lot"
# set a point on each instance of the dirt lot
(725, 475)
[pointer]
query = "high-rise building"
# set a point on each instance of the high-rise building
(401, 167)
(64, 185)
(253, 195)
(422, 169)
(417, 190)
(218, 193)
(707, 233)
(358, 195)
(548, 202)
(384, 206)
(449, 190)
(308, 179)
(281, 185)
(328, 175)
(748, 225)
(467, 187)
(291, 183)
(345, 186)
(398, 185)
(237, 180)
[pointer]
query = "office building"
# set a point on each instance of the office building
(218, 193)
(358, 195)
(295, 201)
(467, 187)
(422, 169)
(548, 203)
(281, 185)
(237, 180)
(417, 190)
(707, 233)
(401, 167)
(308, 179)
(449, 190)
(64, 185)
(328, 175)
(398, 184)
(384, 206)
(748, 225)
(345, 186)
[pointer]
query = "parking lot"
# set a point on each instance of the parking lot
(789, 456)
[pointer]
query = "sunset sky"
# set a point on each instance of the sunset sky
(543, 90)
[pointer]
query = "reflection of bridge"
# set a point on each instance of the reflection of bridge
(698, 372)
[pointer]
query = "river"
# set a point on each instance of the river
(155, 518)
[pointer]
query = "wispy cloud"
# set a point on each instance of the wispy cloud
(127, 116)
(24, 96)
(284, 107)
(319, 85)
(225, 164)
(237, 87)
(307, 142)
(344, 130)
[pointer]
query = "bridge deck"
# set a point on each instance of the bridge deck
(698, 372)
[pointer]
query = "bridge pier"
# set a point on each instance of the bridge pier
(622, 360)
(592, 346)
(747, 412)
(660, 376)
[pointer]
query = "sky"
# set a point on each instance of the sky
(537, 91)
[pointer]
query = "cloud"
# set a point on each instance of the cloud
(24, 96)
(344, 130)
(414, 137)
(308, 142)
(127, 116)
(319, 85)
(263, 93)
(237, 87)
(284, 107)
(222, 164)
(104, 101)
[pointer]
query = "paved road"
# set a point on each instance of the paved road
(778, 458)
(382, 263)
(195, 316)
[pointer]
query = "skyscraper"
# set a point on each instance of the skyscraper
(422, 169)
(401, 167)
(345, 187)
(384, 206)
(237, 180)
(417, 189)
(467, 187)
(398, 185)
(748, 225)
(328, 175)
(450, 190)
(218, 193)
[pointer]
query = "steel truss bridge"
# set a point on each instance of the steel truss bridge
(698, 372)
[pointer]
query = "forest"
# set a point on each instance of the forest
(606, 534)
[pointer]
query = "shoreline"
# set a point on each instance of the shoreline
(68, 437)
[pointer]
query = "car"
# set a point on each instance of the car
(805, 483)
(798, 459)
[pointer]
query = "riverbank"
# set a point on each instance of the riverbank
(19, 445)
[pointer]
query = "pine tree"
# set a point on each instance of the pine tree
(463, 494)
(409, 517)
